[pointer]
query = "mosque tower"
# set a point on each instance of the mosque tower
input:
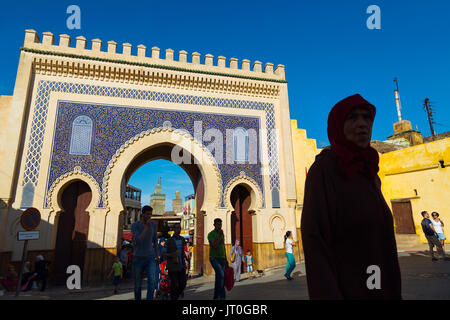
(403, 130)
(158, 200)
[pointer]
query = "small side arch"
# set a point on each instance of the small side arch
(57, 188)
(253, 188)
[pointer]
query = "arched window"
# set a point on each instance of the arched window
(240, 141)
(80, 140)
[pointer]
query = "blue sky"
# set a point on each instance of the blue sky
(173, 179)
(328, 51)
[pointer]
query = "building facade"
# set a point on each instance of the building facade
(82, 121)
(132, 206)
(177, 203)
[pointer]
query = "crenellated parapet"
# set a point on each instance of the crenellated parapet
(108, 52)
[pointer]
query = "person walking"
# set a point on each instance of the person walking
(438, 226)
(117, 271)
(41, 270)
(290, 259)
(217, 258)
(144, 255)
(237, 257)
(347, 228)
(176, 263)
(432, 237)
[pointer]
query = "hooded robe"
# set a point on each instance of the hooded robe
(346, 226)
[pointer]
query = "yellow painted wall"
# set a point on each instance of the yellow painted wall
(5, 107)
(305, 151)
(405, 171)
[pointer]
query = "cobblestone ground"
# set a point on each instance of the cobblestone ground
(421, 279)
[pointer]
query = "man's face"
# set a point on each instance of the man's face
(358, 127)
(426, 215)
(218, 225)
(146, 215)
(177, 229)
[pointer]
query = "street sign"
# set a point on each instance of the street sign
(28, 235)
(30, 219)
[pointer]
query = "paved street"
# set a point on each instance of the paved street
(421, 279)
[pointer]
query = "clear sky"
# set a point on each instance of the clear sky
(173, 179)
(326, 46)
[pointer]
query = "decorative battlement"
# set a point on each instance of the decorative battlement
(234, 69)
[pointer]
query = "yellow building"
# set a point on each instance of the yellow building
(305, 151)
(414, 179)
(417, 179)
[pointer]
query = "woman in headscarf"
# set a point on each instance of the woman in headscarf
(346, 225)
(238, 253)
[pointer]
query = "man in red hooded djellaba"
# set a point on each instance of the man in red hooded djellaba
(347, 227)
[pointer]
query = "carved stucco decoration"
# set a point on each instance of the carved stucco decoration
(278, 227)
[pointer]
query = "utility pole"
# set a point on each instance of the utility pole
(429, 110)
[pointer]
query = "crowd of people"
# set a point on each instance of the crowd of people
(30, 278)
(164, 261)
(219, 262)
(347, 227)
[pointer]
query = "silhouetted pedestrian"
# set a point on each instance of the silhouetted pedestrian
(41, 270)
(218, 258)
(176, 265)
(346, 224)
(144, 255)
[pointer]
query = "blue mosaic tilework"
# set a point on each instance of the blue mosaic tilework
(114, 125)
(34, 148)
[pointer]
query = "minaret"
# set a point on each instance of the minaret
(397, 101)
(158, 200)
(403, 128)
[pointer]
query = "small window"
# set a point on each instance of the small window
(240, 139)
(275, 198)
(80, 140)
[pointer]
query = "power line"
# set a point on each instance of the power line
(441, 125)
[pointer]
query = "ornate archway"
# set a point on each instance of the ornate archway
(136, 146)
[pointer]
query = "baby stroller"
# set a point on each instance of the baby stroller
(163, 293)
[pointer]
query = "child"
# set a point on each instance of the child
(117, 270)
(250, 262)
